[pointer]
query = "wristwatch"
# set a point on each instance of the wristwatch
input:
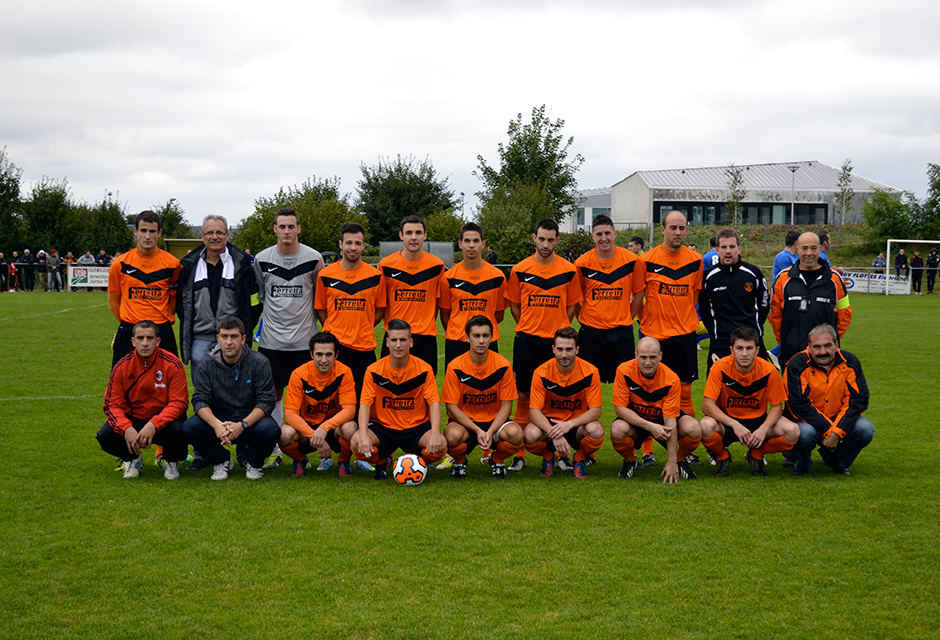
(245, 425)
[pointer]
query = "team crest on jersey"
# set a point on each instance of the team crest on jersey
(287, 291)
(159, 375)
(748, 286)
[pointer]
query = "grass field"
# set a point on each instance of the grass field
(87, 554)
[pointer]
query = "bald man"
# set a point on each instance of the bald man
(807, 294)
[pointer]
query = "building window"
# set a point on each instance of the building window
(581, 217)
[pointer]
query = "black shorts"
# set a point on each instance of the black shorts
(606, 349)
(331, 439)
(424, 347)
(408, 440)
(751, 424)
(528, 354)
(122, 340)
(718, 349)
(472, 441)
(283, 363)
(572, 437)
(642, 435)
(456, 348)
(358, 361)
(680, 353)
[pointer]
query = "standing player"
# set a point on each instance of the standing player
(142, 286)
(350, 301)
(737, 394)
(412, 278)
(646, 399)
(734, 294)
(611, 282)
(286, 275)
(673, 281)
(470, 288)
(478, 392)
(320, 409)
(566, 407)
(543, 294)
(400, 406)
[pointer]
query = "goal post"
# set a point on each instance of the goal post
(889, 264)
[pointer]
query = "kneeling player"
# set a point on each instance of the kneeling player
(319, 407)
(565, 405)
(646, 397)
(478, 392)
(400, 407)
(738, 390)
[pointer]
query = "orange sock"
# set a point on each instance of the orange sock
(373, 459)
(520, 451)
(687, 446)
(521, 415)
(458, 453)
(648, 446)
(625, 448)
(157, 451)
(504, 450)
(540, 448)
(685, 400)
(588, 447)
(714, 444)
(293, 451)
(772, 445)
(345, 452)
(486, 453)
(435, 457)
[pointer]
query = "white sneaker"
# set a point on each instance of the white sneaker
(325, 464)
(171, 471)
(132, 467)
(251, 473)
(220, 471)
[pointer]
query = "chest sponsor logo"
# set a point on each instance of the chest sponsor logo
(472, 304)
(735, 402)
(350, 304)
(144, 293)
(478, 399)
(647, 412)
(315, 408)
(600, 295)
(398, 404)
(674, 290)
(410, 295)
(544, 301)
(287, 291)
(566, 405)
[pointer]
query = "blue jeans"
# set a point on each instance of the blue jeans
(200, 350)
(852, 444)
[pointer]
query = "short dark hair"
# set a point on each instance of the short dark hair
(230, 322)
(477, 321)
(568, 333)
(287, 212)
(823, 237)
(397, 324)
(471, 226)
(324, 337)
(148, 216)
(548, 224)
(412, 220)
(351, 227)
(145, 324)
(727, 233)
(791, 238)
(637, 240)
(748, 334)
(601, 220)
(713, 242)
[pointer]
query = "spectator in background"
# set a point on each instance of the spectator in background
(29, 270)
(635, 244)
(41, 261)
(3, 273)
(786, 258)
(64, 266)
(917, 271)
(693, 247)
(900, 262)
(933, 262)
(103, 260)
(491, 257)
(52, 272)
(86, 260)
(879, 262)
(710, 259)
(13, 272)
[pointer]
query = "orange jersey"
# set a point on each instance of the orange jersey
(672, 285)
(350, 298)
(744, 395)
(399, 398)
(147, 285)
(411, 288)
(544, 293)
(562, 396)
(650, 398)
(607, 286)
(318, 398)
(469, 293)
(479, 391)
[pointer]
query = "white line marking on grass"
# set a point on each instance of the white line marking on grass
(86, 395)
(36, 315)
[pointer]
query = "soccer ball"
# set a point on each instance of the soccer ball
(410, 470)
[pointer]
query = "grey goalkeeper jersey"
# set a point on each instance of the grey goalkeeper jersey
(286, 287)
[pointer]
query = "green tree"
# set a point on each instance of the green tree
(444, 226)
(736, 193)
(48, 218)
(104, 227)
(928, 214)
(536, 154)
(889, 217)
(508, 219)
(10, 220)
(394, 189)
(843, 199)
(173, 220)
(319, 206)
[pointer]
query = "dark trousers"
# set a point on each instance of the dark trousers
(123, 346)
(917, 278)
(169, 437)
(258, 440)
(931, 279)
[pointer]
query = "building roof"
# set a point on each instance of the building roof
(594, 197)
(811, 175)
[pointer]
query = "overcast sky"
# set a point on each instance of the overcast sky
(218, 103)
